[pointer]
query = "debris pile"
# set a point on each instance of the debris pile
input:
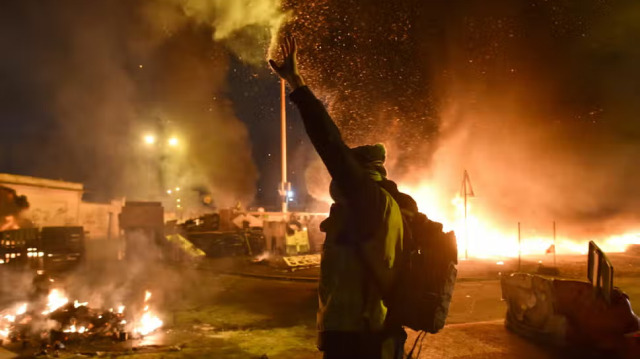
(55, 319)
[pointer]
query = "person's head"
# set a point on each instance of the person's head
(371, 158)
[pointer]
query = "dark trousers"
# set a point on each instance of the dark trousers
(346, 345)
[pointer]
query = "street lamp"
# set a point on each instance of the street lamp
(149, 139)
(161, 149)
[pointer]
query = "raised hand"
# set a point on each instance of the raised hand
(288, 70)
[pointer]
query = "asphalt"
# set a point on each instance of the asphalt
(568, 266)
(479, 340)
(476, 326)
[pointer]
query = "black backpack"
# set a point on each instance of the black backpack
(420, 297)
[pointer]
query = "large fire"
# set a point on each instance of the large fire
(481, 238)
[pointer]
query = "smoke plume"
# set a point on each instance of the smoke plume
(248, 27)
(537, 100)
(83, 82)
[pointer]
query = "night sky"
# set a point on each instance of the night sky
(256, 93)
(539, 100)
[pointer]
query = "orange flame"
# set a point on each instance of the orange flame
(148, 322)
(8, 318)
(10, 222)
(55, 300)
(481, 238)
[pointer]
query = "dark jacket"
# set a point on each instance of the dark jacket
(366, 225)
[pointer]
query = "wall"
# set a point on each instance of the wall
(59, 203)
(100, 220)
(52, 202)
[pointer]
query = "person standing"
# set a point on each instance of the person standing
(363, 234)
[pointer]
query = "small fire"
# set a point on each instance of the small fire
(22, 309)
(149, 322)
(56, 299)
(77, 304)
(9, 317)
(72, 329)
(59, 308)
(10, 222)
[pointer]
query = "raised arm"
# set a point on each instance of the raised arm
(289, 68)
(350, 177)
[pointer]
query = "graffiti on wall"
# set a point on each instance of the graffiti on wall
(54, 215)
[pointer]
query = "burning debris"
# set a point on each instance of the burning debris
(54, 320)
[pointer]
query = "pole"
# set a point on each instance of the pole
(554, 243)
(466, 229)
(467, 189)
(283, 146)
(519, 249)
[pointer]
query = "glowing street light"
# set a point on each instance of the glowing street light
(149, 139)
(173, 141)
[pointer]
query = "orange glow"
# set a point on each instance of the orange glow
(144, 322)
(487, 240)
(8, 318)
(148, 322)
(55, 300)
(10, 222)
(149, 139)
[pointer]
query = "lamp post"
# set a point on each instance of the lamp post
(161, 146)
(285, 187)
(467, 191)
